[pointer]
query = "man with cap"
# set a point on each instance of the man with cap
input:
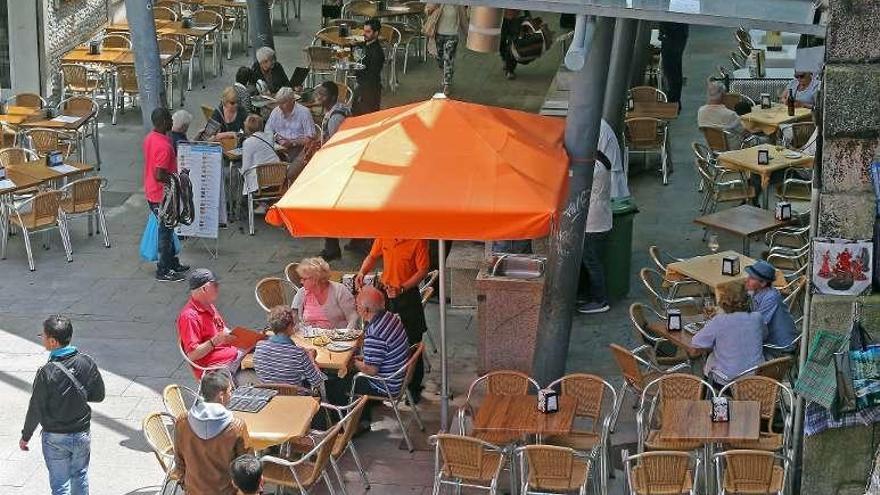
(203, 334)
(767, 300)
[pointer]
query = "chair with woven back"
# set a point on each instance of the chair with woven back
(500, 382)
(751, 472)
(772, 395)
(649, 418)
(187, 56)
(720, 187)
(646, 94)
(390, 38)
(730, 100)
(83, 197)
(291, 274)
(39, 213)
(17, 155)
(661, 473)
(29, 100)
(274, 291)
(719, 140)
(44, 141)
(164, 14)
(463, 461)
(647, 135)
(157, 428)
(426, 291)
(552, 469)
(83, 106)
(665, 294)
(271, 184)
(172, 50)
(116, 40)
(126, 85)
(174, 400)
(230, 20)
(77, 79)
(777, 368)
(320, 62)
(173, 5)
(662, 352)
(205, 17)
(306, 472)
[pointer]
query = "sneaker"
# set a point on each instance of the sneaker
(592, 308)
(509, 75)
(181, 269)
(330, 256)
(170, 276)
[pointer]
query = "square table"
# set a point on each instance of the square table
(519, 414)
(283, 418)
(679, 338)
(707, 270)
(197, 32)
(340, 362)
(744, 221)
(16, 115)
(656, 109)
(107, 56)
(767, 120)
(747, 160)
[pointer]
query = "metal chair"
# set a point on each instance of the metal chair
(661, 258)
(291, 274)
(83, 197)
(730, 100)
(390, 37)
(646, 135)
(795, 135)
(126, 84)
(306, 472)
(40, 213)
(673, 386)
(771, 395)
(426, 290)
(790, 237)
(274, 291)
(777, 368)
(174, 401)
(668, 473)
(320, 62)
(227, 27)
(720, 188)
(271, 181)
(383, 391)
(717, 138)
(77, 79)
(197, 369)
(85, 107)
(549, 469)
(44, 141)
(646, 94)
(187, 56)
(29, 100)
(751, 471)
(664, 293)
(16, 155)
(467, 462)
(156, 428)
(116, 40)
(207, 17)
(164, 14)
(662, 352)
(172, 49)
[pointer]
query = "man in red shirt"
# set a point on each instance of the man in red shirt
(203, 334)
(159, 162)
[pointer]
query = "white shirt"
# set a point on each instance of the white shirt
(599, 217)
(257, 149)
(610, 147)
(296, 125)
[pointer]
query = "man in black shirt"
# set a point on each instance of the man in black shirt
(673, 39)
(62, 390)
(368, 96)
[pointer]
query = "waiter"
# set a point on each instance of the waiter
(368, 95)
(405, 263)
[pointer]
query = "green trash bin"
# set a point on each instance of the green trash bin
(617, 258)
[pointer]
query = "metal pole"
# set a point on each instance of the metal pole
(147, 66)
(260, 24)
(640, 54)
(618, 73)
(444, 369)
(581, 138)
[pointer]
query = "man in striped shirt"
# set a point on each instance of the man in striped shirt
(386, 347)
(279, 360)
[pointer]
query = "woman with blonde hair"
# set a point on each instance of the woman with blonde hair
(321, 302)
(229, 115)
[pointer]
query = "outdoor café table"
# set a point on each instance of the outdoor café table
(332, 37)
(16, 115)
(744, 221)
(107, 56)
(707, 270)
(283, 418)
(688, 420)
(656, 109)
(747, 160)
(197, 32)
(519, 414)
(767, 120)
(682, 339)
(64, 122)
(340, 362)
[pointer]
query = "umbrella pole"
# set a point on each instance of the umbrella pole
(444, 378)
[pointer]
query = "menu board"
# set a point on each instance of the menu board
(205, 164)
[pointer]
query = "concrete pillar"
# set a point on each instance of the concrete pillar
(839, 461)
(622, 51)
(260, 24)
(641, 53)
(581, 138)
(151, 87)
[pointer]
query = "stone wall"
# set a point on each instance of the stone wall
(838, 462)
(67, 23)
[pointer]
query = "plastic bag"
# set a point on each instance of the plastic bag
(150, 240)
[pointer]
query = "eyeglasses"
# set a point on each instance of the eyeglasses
(800, 76)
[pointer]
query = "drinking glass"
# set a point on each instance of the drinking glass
(713, 243)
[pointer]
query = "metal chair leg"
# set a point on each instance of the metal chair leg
(27, 248)
(250, 214)
(338, 476)
(102, 221)
(65, 239)
(409, 444)
(414, 409)
(357, 462)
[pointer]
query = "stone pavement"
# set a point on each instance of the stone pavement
(125, 320)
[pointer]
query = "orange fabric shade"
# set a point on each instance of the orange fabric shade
(438, 169)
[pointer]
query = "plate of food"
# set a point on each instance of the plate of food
(320, 341)
(338, 347)
(397, 8)
(345, 334)
(356, 38)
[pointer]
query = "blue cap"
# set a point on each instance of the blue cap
(762, 270)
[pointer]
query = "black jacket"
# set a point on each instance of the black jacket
(370, 78)
(55, 402)
(276, 79)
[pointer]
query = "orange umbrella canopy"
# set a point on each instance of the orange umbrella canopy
(438, 169)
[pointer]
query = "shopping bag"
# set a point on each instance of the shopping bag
(150, 240)
(816, 381)
(842, 267)
(845, 400)
(864, 356)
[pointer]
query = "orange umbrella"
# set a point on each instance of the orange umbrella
(438, 169)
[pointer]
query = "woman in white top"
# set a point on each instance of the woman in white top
(321, 302)
(803, 88)
(257, 149)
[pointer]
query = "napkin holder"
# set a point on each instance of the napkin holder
(54, 159)
(94, 47)
(763, 157)
(730, 265)
(344, 30)
(186, 22)
(673, 320)
(765, 101)
(720, 410)
(548, 401)
(783, 210)
(51, 112)
(2, 173)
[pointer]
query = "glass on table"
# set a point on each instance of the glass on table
(713, 243)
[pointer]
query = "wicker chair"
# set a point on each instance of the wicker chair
(415, 353)
(776, 369)
(40, 213)
(9, 156)
(662, 352)
(771, 394)
(550, 469)
(426, 290)
(661, 473)
(85, 107)
(173, 50)
(717, 138)
(795, 135)
(466, 462)
(661, 258)
(664, 293)
(214, 40)
(271, 182)
(174, 400)
(291, 274)
(83, 197)
(646, 94)
(29, 100)
(390, 37)
(320, 62)
(197, 369)
(647, 135)
(126, 84)
(116, 40)
(187, 56)
(751, 472)
(230, 20)
(164, 14)
(274, 291)
(673, 386)
(307, 471)
(77, 79)
(730, 100)
(44, 141)
(157, 428)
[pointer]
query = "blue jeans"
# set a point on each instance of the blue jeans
(67, 459)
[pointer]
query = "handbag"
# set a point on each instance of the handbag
(864, 356)
(816, 381)
(149, 247)
(533, 40)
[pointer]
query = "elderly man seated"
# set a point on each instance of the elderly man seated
(715, 114)
(768, 302)
(208, 438)
(290, 123)
(268, 70)
(279, 360)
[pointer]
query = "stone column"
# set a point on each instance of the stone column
(839, 461)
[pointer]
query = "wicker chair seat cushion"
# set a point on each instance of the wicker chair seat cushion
(654, 442)
(582, 441)
(642, 487)
(576, 478)
(755, 487)
(30, 221)
(768, 441)
(68, 206)
(490, 465)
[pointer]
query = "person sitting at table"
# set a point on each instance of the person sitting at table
(208, 437)
(279, 360)
(268, 70)
(258, 148)
(201, 329)
(734, 338)
(321, 302)
(293, 128)
(180, 122)
(767, 301)
(803, 88)
(230, 115)
(244, 89)
(715, 114)
(247, 474)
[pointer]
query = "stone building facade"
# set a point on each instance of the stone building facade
(68, 23)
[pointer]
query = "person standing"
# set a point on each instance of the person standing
(60, 400)
(445, 26)
(160, 162)
(405, 263)
(593, 297)
(673, 39)
(368, 95)
(510, 26)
